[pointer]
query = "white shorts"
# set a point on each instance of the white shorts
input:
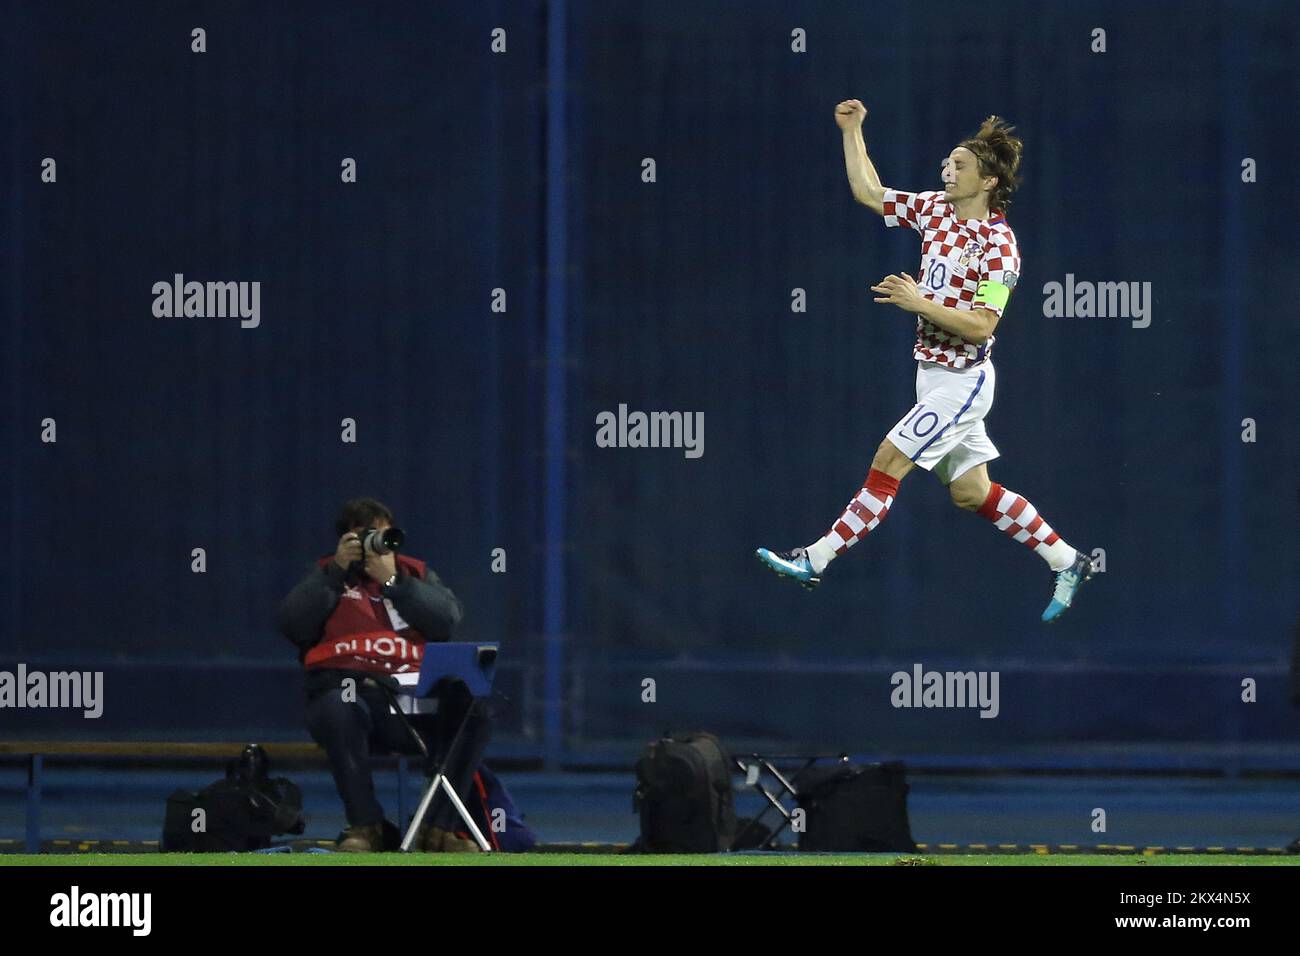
(944, 431)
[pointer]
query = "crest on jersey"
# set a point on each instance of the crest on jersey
(1009, 279)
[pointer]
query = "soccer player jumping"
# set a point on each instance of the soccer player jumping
(969, 265)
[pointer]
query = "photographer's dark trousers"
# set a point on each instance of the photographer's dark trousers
(351, 731)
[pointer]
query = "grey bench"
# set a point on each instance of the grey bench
(34, 752)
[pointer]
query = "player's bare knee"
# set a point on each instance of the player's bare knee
(969, 491)
(890, 460)
(966, 497)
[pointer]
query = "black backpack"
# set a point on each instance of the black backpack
(855, 809)
(683, 793)
(241, 812)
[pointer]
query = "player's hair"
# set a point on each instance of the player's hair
(998, 152)
(361, 511)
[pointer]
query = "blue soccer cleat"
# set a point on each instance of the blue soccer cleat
(791, 564)
(1068, 583)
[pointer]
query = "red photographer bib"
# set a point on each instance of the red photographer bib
(366, 633)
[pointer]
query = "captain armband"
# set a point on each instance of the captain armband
(992, 293)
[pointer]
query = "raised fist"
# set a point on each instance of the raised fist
(849, 114)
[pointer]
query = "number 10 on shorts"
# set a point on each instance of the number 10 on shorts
(922, 423)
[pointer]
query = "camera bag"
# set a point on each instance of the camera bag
(855, 808)
(684, 796)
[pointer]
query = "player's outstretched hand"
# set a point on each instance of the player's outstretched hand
(899, 290)
(850, 114)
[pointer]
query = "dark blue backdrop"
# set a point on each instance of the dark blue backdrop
(672, 295)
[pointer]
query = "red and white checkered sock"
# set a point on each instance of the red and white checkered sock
(867, 509)
(1014, 516)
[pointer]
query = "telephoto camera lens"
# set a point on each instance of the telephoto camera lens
(382, 542)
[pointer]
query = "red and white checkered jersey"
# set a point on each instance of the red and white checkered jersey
(956, 256)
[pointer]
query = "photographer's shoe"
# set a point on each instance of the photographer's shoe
(363, 839)
(436, 840)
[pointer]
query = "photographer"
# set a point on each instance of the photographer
(364, 613)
